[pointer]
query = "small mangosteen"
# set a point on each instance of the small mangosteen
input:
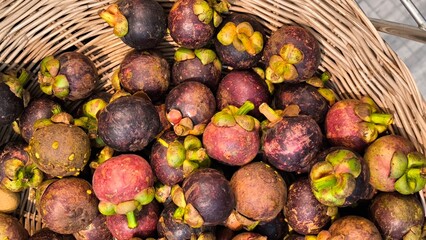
(290, 141)
(70, 76)
(201, 65)
(123, 184)
(190, 106)
(128, 123)
(355, 123)
(146, 220)
(239, 86)
(140, 24)
(395, 164)
(145, 71)
(291, 54)
(205, 199)
(11, 228)
(351, 227)
(192, 22)
(66, 205)
(232, 137)
(97, 229)
(39, 108)
(12, 96)
(173, 158)
(303, 212)
(340, 178)
(17, 170)
(260, 193)
(239, 41)
(397, 216)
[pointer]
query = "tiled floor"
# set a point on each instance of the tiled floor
(411, 52)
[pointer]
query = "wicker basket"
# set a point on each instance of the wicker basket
(360, 62)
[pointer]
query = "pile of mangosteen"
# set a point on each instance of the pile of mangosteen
(238, 137)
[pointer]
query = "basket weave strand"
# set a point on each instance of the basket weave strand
(359, 60)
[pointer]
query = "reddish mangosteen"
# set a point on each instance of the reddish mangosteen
(12, 96)
(190, 105)
(351, 227)
(128, 123)
(232, 137)
(17, 171)
(97, 229)
(395, 164)
(260, 193)
(11, 228)
(291, 54)
(124, 184)
(173, 158)
(66, 205)
(145, 71)
(239, 41)
(192, 22)
(201, 65)
(146, 220)
(69, 76)
(205, 198)
(239, 86)
(141, 24)
(39, 108)
(340, 178)
(303, 212)
(355, 123)
(397, 216)
(290, 141)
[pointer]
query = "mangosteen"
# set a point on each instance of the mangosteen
(12, 96)
(39, 108)
(340, 178)
(355, 123)
(146, 220)
(140, 24)
(201, 65)
(173, 158)
(66, 205)
(192, 22)
(70, 76)
(249, 236)
(190, 106)
(303, 212)
(128, 123)
(97, 229)
(239, 41)
(232, 137)
(260, 193)
(351, 227)
(205, 199)
(11, 228)
(397, 216)
(395, 164)
(145, 71)
(59, 149)
(290, 141)
(47, 234)
(123, 184)
(9, 200)
(239, 86)
(292, 54)
(276, 229)
(17, 170)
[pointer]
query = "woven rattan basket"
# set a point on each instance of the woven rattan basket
(360, 62)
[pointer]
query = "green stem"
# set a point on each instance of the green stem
(269, 113)
(23, 77)
(162, 142)
(131, 220)
(245, 108)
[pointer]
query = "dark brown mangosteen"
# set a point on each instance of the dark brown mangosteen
(12, 96)
(11, 228)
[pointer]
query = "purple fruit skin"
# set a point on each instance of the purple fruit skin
(292, 144)
(171, 228)
(95, 230)
(194, 70)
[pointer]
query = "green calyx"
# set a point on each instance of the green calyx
(190, 155)
(113, 16)
(50, 81)
(281, 67)
(231, 116)
(319, 83)
(19, 177)
(16, 83)
(185, 212)
(105, 154)
(208, 11)
(162, 192)
(242, 36)
(409, 170)
(334, 179)
(373, 122)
